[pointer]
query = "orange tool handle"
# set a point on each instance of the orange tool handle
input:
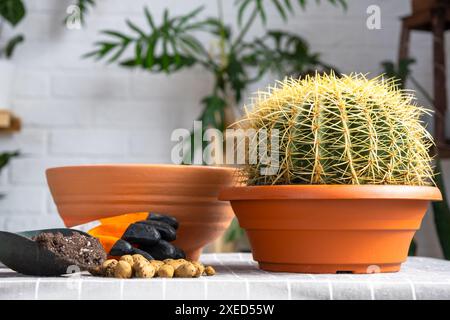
(112, 230)
(126, 218)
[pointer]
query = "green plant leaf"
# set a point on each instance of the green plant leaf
(288, 5)
(243, 6)
(117, 55)
(283, 53)
(214, 112)
(5, 157)
(150, 53)
(412, 248)
(261, 10)
(149, 17)
(184, 19)
(191, 43)
(234, 232)
(105, 48)
(237, 75)
(217, 28)
(138, 53)
(135, 28)
(282, 7)
(400, 71)
(128, 63)
(167, 47)
(12, 11)
(116, 34)
(12, 44)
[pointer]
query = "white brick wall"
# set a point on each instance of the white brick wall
(77, 111)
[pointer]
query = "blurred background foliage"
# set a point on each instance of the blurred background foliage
(235, 62)
(12, 12)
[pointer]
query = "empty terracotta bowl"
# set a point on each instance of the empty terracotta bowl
(189, 193)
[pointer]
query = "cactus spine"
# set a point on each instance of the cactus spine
(342, 130)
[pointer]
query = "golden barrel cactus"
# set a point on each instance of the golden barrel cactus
(342, 130)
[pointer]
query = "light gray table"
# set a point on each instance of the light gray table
(239, 278)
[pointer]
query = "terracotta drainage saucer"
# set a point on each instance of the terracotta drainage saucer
(330, 228)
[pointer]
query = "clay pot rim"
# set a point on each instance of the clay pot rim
(306, 192)
(140, 165)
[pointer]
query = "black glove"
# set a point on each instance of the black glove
(151, 238)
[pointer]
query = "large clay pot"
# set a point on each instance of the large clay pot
(189, 193)
(330, 228)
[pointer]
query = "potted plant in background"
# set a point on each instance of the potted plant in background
(354, 177)
(11, 12)
(235, 62)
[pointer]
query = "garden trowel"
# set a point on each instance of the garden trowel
(20, 253)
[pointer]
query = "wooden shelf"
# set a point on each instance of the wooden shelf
(422, 21)
(432, 16)
(9, 122)
(444, 151)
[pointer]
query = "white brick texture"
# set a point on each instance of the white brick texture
(88, 142)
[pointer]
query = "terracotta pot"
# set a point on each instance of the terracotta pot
(189, 193)
(330, 228)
